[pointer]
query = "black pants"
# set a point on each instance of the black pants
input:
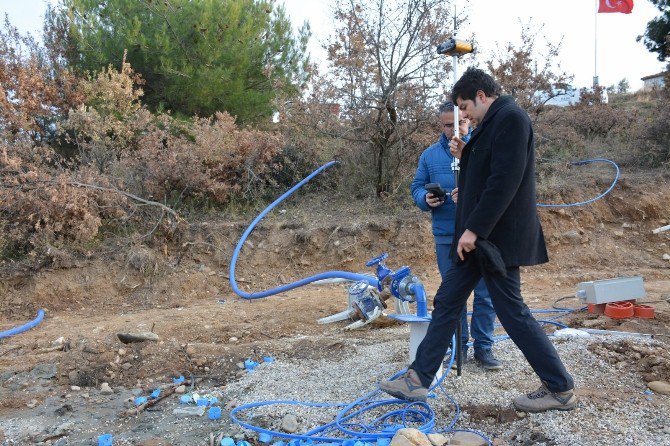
(513, 314)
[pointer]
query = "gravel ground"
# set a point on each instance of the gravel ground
(614, 404)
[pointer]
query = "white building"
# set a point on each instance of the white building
(655, 81)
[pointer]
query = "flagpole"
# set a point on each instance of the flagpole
(595, 48)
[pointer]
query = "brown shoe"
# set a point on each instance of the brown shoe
(544, 399)
(406, 387)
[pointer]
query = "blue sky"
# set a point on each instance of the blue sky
(494, 23)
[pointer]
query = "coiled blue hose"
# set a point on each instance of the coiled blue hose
(24, 327)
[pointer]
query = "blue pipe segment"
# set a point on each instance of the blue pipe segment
(327, 275)
(421, 301)
(24, 327)
(580, 203)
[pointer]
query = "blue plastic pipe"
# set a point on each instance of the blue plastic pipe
(24, 327)
(581, 203)
(327, 275)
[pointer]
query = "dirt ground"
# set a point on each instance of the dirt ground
(50, 376)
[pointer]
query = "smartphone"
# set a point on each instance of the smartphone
(436, 190)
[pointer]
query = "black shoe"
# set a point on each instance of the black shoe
(487, 360)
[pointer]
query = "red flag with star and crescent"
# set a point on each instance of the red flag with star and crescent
(625, 6)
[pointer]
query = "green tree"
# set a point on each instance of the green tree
(196, 56)
(657, 36)
(623, 87)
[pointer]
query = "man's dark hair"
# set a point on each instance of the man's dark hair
(447, 107)
(472, 81)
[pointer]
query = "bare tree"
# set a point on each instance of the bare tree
(531, 76)
(385, 82)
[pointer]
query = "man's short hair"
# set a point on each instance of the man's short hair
(446, 107)
(472, 81)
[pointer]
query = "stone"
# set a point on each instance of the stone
(410, 437)
(467, 439)
(75, 388)
(180, 390)
(289, 423)
(190, 411)
(105, 389)
(44, 371)
(154, 441)
(661, 387)
(438, 439)
(571, 237)
(128, 338)
(666, 256)
(73, 376)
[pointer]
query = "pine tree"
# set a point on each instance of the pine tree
(196, 56)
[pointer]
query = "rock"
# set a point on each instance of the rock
(75, 388)
(128, 338)
(91, 350)
(105, 389)
(180, 390)
(618, 233)
(410, 437)
(571, 237)
(63, 429)
(126, 366)
(122, 351)
(232, 339)
(437, 439)
(661, 387)
(467, 439)
(190, 411)
(289, 423)
(154, 441)
(65, 408)
(666, 256)
(44, 371)
(32, 403)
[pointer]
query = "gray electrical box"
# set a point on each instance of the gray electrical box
(611, 290)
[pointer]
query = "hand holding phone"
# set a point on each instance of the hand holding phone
(437, 191)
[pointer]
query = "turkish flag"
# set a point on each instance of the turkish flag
(625, 6)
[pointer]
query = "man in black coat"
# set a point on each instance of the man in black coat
(497, 205)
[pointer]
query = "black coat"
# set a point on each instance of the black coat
(496, 188)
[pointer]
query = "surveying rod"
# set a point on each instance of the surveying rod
(456, 48)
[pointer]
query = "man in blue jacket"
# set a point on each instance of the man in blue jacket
(498, 231)
(435, 167)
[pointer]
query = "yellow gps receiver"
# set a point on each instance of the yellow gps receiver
(453, 47)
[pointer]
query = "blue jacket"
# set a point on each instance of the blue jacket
(435, 167)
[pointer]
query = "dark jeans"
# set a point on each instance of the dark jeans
(514, 315)
(483, 318)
